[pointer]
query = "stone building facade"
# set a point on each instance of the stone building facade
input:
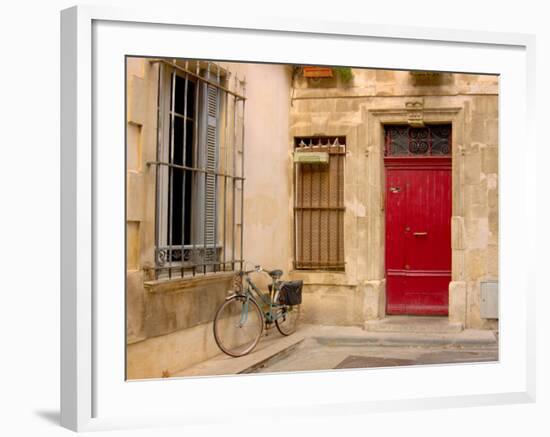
(169, 318)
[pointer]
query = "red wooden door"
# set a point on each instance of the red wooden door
(418, 235)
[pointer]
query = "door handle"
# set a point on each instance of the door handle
(418, 234)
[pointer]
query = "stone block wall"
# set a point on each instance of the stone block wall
(358, 109)
(480, 245)
(140, 191)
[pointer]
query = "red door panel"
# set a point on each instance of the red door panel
(418, 235)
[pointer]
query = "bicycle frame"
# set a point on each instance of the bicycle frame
(255, 311)
(270, 316)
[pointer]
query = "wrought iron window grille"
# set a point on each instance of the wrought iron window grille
(199, 169)
(319, 205)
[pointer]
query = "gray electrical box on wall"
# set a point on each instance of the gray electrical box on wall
(489, 300)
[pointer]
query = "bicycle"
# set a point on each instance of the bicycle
(240, 320)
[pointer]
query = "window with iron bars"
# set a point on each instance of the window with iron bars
(200, 162)
(319, 206)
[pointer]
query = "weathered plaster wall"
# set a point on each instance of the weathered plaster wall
(268, 185)
(169, 321)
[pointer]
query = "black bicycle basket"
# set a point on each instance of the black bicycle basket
(291, 293)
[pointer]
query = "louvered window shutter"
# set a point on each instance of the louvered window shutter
(206, 200)
(211, 164)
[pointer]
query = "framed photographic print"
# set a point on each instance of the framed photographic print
(325, 208)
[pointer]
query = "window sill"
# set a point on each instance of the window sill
(319, 277)
(182, 284)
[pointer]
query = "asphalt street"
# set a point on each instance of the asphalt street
(316, 353)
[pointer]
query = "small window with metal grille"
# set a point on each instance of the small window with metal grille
(319, 203)
(199, 170)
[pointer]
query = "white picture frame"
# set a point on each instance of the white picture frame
(93, 396)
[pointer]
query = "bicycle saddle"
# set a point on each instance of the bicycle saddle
(275, 274)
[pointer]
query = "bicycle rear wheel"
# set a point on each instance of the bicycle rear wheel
(238, 326)
(287, 322)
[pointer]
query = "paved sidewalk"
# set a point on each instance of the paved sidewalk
(271, 346)
(315, 347)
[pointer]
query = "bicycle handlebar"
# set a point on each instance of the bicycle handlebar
(254, 270)
(257, 268)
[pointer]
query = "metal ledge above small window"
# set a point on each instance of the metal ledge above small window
(311, 157)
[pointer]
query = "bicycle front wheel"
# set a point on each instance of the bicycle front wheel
(238, 326)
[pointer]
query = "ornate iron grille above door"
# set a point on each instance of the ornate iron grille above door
(430, 140)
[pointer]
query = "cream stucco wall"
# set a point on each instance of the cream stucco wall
(169, 321)
(267, 187)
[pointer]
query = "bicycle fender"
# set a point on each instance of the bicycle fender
(231, 296)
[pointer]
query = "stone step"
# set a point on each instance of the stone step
(468, 338)
(413, 324)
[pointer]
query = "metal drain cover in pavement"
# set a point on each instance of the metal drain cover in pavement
(358, 362)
